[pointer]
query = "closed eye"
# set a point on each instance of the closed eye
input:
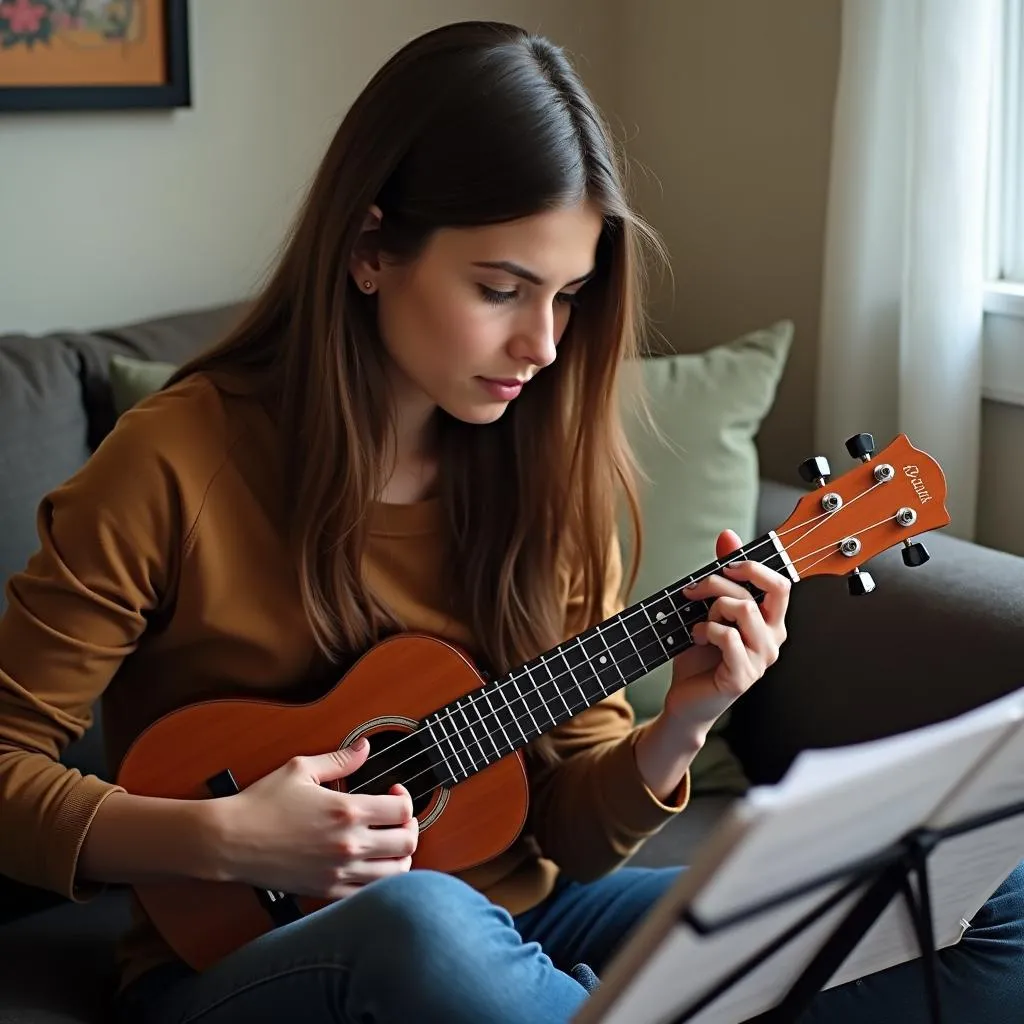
(499, 297)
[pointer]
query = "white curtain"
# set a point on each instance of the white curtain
(901, 314)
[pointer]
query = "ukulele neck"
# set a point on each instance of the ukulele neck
(507, 713)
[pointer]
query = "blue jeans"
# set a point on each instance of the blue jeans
(425, 947)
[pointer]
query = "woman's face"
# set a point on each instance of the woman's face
(481, 310)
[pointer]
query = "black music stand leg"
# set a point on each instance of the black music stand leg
(920, 907)
(839, 946)
(753, 962)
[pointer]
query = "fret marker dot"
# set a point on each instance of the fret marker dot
(660, 615)
(670, 640)
(603, 659)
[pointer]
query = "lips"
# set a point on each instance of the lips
(502, 389)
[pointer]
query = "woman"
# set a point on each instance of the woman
(389, 442)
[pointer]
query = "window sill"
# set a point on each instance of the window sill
(1003, 359)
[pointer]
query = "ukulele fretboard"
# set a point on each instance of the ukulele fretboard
(508, 713)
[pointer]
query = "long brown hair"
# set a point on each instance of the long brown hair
(469, 124)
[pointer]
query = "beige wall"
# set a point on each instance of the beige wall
(728, 106)
(106, 217)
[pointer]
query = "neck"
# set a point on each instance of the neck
(508, 713)
(413, 453)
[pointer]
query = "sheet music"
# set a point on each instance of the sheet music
(966, 869)
(833, 808)
(827, 811)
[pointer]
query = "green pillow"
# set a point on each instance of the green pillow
(702, 478)
(131, 380)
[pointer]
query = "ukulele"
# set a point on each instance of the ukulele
(453, 740)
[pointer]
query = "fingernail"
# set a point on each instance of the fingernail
(360, 744)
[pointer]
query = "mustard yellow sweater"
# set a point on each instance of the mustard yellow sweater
(163, 577)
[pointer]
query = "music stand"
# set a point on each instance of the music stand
(917, 807)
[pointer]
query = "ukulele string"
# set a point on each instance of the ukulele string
(589, 661)
(827, 548)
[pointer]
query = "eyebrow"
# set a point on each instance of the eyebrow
(527, 275)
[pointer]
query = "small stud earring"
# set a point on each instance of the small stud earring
(368, 285)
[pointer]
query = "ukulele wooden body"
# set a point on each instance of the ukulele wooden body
(383, 696)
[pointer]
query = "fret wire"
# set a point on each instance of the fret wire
(611, 656)
(650, 622)
(469, 726)
(576, 642)
(517, 720)
(497, 718)
(597, 674)
(455, 733)
(444, 732)
(553, 687)
(526, 703)
(558, 689)
(629, 637)
(444, 756)
(539, 687)
(679, 616)
(572, 675)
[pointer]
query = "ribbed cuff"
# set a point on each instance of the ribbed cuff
(73, 818)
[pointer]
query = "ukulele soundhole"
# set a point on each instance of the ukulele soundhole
(396, 758)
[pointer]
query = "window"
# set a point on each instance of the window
(1003, 360)
(1005, 221)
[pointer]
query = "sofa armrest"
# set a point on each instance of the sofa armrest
(929, 643)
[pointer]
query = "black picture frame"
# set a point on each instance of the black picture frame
(176, 91)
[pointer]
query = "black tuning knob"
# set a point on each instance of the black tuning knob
(915, 553)
(815, 470)
(861, 446)
(860, 583)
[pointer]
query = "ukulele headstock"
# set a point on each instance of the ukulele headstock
(884, 501)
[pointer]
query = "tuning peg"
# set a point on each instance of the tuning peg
(914, 553)
(861, 446)
(860, 583)
(815, 470)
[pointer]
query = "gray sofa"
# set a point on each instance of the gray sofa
(928, 644)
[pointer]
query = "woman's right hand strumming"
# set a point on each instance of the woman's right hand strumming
(291, 833)
(286, 832)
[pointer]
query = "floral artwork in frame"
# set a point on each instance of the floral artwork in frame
(93, 54)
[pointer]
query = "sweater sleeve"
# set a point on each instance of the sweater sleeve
(591, 809)
(109, 541)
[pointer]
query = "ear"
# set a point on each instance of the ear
(365, 265)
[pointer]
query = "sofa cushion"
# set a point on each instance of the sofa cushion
(702, 477)
(133, 379)
(171, 339)
(44, 430)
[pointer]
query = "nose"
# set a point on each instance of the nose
(536, 340)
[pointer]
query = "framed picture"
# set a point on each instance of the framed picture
(93, 54)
